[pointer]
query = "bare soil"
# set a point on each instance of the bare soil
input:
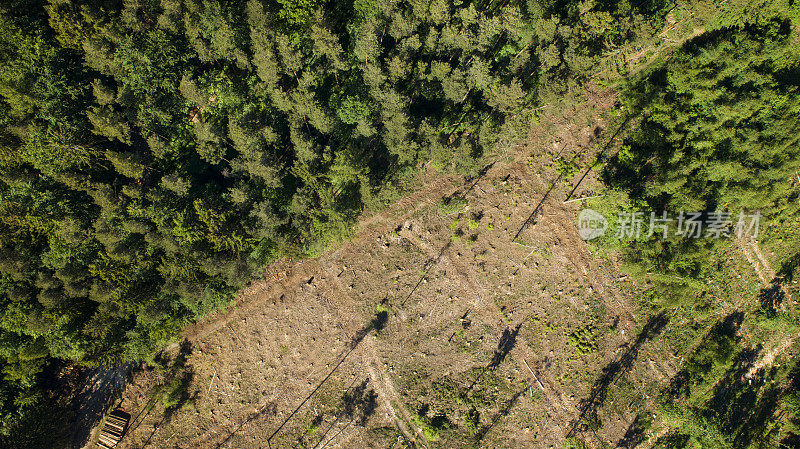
(426, 330)
(488, 327)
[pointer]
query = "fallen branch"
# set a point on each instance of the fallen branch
(533, 374)
(236, 335)
(212, 381)
(584, 198)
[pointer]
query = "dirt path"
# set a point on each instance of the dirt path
(389, 397)
(768, 279)
(769, 357)
(381, 380)
(756, 259)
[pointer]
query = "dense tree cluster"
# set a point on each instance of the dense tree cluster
(719, 132)
(719, 122)
(155, 154)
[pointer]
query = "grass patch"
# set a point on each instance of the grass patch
(450, 206)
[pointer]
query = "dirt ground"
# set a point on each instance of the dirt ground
(427, 329)
(487, 322)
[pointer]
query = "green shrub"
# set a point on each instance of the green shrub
(584, 340)
(450, 206)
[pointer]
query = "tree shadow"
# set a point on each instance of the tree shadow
(741, 401)
(358, 404)
(733, 392)
(175, 391)
(672, 440)
(478, 176)
(678, 386)
(772, 297)
(270, 408)
(428, 263)
(717, 344)
(744, 405)
(635, 434)
(752, 425)
(377, 324)
(361, 403)
(532, 217)
(179, 379)
(599, 156)
(507, 342)
(101, 387)
(788, 268)
(792, 438)
(617, 368)
(57, 420)
(178, 393)
(499, 415)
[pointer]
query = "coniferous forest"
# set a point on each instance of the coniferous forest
(156, 155)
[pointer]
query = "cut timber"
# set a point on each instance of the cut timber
(113, 429)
